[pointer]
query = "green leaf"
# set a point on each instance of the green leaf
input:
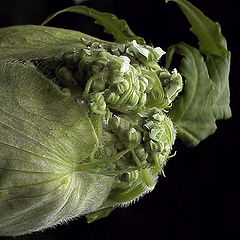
(211, 40)
(31, 42)
(114, 26)
(44, 137)
(206, 94)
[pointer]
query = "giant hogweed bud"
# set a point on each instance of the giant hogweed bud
(82, 132)
(90, 124)
(83, 122)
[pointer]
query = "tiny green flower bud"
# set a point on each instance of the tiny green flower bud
(99, 84)
(143, 83)
(134, 136)
(112, 98)
(158, 117)
(125, 64)
(158, 146)
(154, 134)
(142, 99)
(141, 153)
(123, 86)
(115, 122)
(97, 103)
(133, 99)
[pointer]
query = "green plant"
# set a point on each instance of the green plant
(88, 125)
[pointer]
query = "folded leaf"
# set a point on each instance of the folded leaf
(211, 40)
(206, 94)
(205, 98)
(117, 27)
(32, 42)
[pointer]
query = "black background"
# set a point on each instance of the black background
(199, 198)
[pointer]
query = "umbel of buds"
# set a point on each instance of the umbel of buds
(93, 123)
